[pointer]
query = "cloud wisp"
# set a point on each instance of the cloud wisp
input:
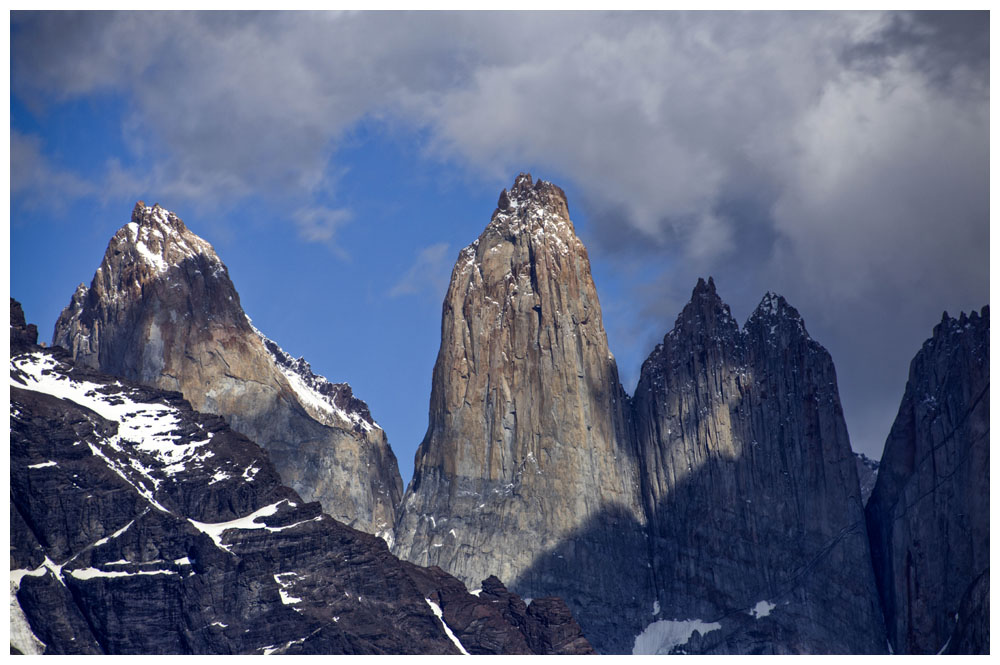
(428, 273)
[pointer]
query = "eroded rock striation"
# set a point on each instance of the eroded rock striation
(527, 470)
(162, 310)
(755, 515)
(929, 514)
(140, 526)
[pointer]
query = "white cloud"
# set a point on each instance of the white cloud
(429, 272)
(320, 224)
(36, 180)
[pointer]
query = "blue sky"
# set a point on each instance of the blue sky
(339, 162)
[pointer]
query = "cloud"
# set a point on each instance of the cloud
(35, 181)
(429, 272)
(320, 224)
(838, 157)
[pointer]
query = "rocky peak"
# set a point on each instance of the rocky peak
(705, 315)
(748, 477)
(22, 334)
(162, 310)
(159, 240)
(774, 317)
(527, 445)
(929, 513)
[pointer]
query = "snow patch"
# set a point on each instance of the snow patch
(660, 637)
(42, 465)
(287, 598)
(215, 530)
(761, 609)
(437, 612)
(90, 573)
(21, 635)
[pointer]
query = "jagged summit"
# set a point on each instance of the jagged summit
(525, 192)
(960, 323)
(774, 314)
(539, 208)
(160, 239)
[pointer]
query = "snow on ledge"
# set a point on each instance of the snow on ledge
(660, 637)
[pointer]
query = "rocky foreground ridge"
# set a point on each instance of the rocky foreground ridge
(929, 514)
(162, 310)
(141, 526)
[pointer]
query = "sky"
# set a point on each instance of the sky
(338, 162)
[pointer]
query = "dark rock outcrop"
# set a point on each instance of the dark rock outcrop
(929, 514)
(755, 515)
(141, 526)
(527, 469)
(162, 310)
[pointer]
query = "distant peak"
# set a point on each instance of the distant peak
(705, 311)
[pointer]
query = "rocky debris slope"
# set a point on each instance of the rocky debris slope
(755, 515)
(929, 514)
(162, 310)
(527, 470)
(141, 526)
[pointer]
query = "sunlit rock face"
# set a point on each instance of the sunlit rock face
(755, 517)
(162, 310)
(929, 514)
(527, 469)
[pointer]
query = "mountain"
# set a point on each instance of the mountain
(141, 526)
(756, 522)
(929, 514)
(162, 310)
(528, 470)
(718, 511)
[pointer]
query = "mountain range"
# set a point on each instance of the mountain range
(165, 450)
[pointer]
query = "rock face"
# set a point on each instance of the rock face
(528, 470)
(140, 526)
(162, 310)
(929, 514)
(867, 475)
(756, 520)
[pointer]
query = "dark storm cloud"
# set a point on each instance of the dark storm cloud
(841, 159)
(942, 44)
